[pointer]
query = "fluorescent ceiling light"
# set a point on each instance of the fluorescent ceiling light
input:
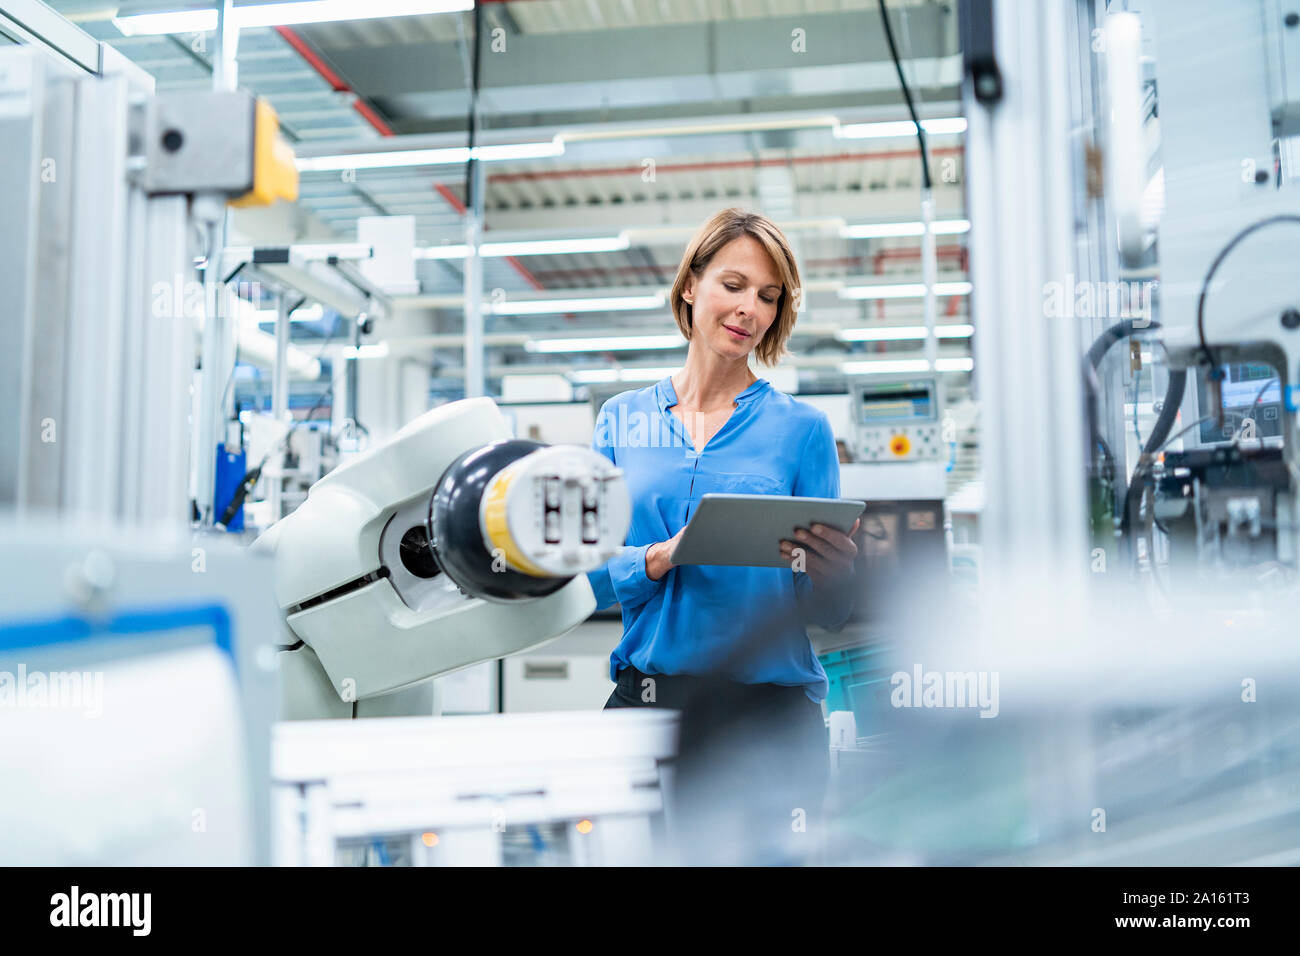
(504, 151)
(888, 230)
(625, 303)
(542, 247)
(528, 247)
(954, 364)
(937, 127)
(879, 366)
(378, 350)
(157, 24)
(283, 14)
(903, 332)
(596, 375)
(386, 160)
(906, 366)
(906, 290)
(457, 155)
(606, 343)
(441, 252)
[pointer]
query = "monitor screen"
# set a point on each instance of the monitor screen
(1249, 390)
(895, 403)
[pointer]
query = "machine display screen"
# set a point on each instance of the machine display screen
(1249, 390)
(895, 403)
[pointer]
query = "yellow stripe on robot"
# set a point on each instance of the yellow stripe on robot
(498, 527)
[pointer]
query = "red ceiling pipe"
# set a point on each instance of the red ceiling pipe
(371, 115)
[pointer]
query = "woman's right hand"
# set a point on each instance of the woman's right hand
(659, 557)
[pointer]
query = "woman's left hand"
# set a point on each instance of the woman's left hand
(828, 554)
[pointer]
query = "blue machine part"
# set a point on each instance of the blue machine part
(231, 469)
(128, 622)
(858, 681)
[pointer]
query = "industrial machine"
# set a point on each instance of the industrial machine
(449, 545)
(898, 448)
(1211, 487)
(897, 419)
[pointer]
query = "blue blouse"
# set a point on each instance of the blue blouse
(696, 617)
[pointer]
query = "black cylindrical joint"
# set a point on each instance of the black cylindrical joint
(457, 536)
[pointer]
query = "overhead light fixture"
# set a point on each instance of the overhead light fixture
(507, 151)
(884, 366)
(625, 303)
(889, 230)
(443, 156)
(619, 343)
(378, 350)
(899, 128)
(954, 364)
(441, 252)
(543, 247)
(906, 366)
(527, 247)
(904, 332)
(906, 290)
(599, 375)
(283, 14)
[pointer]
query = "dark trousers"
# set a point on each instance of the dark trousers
(750, 777)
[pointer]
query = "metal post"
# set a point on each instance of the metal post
(279, 399)
(225, 69)
(1020, 161)
(929, 268)
(209, 212)
(474, 384)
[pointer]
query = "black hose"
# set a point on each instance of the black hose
(1107, 339)
(1092, 362)
(907, 97)
(1164, 425)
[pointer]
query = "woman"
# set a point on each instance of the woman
(714, 426)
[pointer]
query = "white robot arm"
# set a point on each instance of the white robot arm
(449, 545)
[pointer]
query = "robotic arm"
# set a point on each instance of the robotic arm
(449, 545)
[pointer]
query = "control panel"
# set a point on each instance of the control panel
(897, 419)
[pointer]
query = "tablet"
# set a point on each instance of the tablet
(746, 530)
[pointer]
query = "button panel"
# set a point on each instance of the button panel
(901, 443)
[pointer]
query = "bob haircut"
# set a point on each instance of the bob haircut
(726, 226)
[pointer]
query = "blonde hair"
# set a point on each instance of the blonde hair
(726, 226)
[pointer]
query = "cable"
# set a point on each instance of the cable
(1092, 362)
(1209, 276)
(472, 119)
(1137, 393)
(907, 96)
(1156, 443)
(254, 474)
